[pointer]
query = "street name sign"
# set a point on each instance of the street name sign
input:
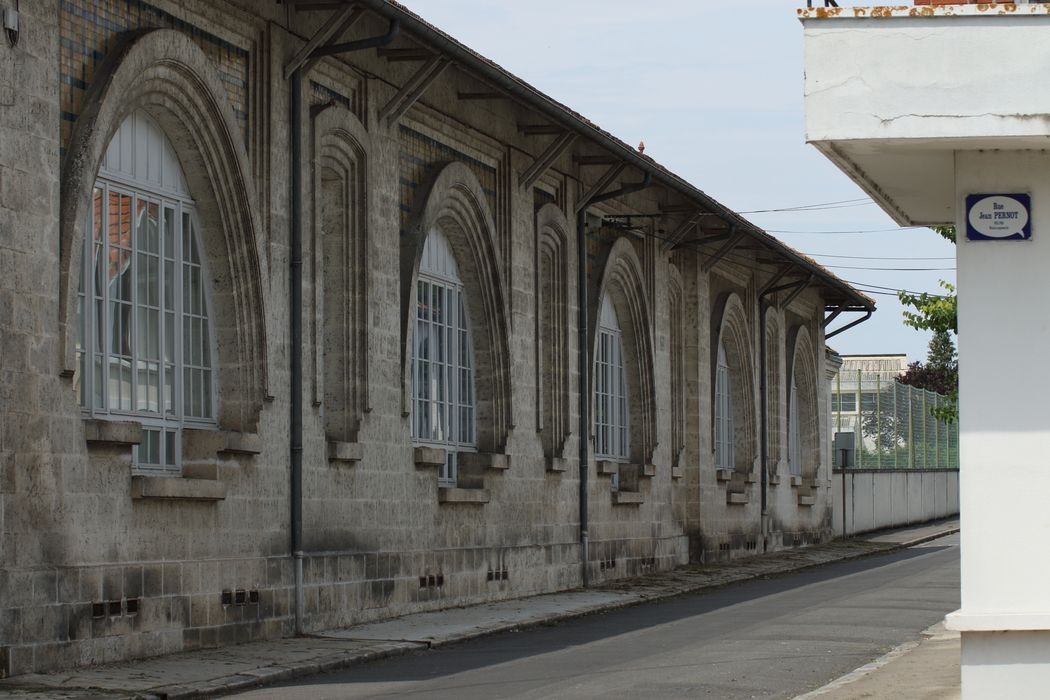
(998, 217)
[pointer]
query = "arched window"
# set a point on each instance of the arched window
(794, 433)
(144, 349)
(725, 453)
(442, 358)
(611, 422)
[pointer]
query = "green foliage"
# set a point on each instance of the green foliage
(937, 313)
(941, 354)
(933, 312)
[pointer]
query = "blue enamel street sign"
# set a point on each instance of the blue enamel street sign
(998, 217)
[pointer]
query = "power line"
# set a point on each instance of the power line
(843, 204)
(874, 230)
(871, 257)
(892, 269)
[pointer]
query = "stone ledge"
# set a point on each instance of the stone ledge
(807, 500)
(344, 452)
(647, 470)
(735, 498)
(795, 480)
(452, 494)
(557, 464)
(627, 498)
(724, 474)
(203, 443)
(174, 488)
(483, 460)
(101, 433)
(677, 472)
(774, 479)
(425, 457)
(237, 443)
(608, 467)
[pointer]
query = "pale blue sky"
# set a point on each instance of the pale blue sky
(715, 91)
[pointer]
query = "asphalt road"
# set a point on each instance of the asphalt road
(771, 638)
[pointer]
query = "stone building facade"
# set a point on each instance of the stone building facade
(146, 336)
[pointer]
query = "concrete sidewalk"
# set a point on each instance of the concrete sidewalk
(218, 671)
(923, 670)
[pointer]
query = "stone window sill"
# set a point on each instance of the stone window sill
(203, 444)
(607, 467)
(646, 471)
(795, 480)
(344, 453)
(453, 494)
(807, 501)
(734, 498)
(677, 472)
(429, 457)
(175, 488)
(774, 479)
(481, 461)
(627, 498)
(751, 478)
(724, 474)
(109, 433)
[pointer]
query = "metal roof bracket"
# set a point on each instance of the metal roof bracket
(546, 159)
(735, 236)
(413, 89)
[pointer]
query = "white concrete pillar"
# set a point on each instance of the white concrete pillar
(1004, 342)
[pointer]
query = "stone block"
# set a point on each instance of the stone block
(467, 496)
(170, 488)
(627, 498)
(735, 498)
(344, 453)
(109, 433)
(429, 456)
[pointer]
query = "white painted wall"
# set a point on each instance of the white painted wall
(920, 112)
(877, 499)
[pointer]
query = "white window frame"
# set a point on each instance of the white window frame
(164, 414)
(612, 420)
(725, 448)
(444, 399)
(794, 432)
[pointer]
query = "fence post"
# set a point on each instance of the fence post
(858, 433)
(911, 431)
(878, 419)
(896, 427)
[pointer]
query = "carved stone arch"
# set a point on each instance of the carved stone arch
(623, 280)
(338, 191)
(802, 369)
(731, 329)
(165, 74)
(454, 202)
(552, 330)
(677, 329)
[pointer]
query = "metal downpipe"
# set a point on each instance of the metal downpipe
(585, 355)
(295, 245)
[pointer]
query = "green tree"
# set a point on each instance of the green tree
(938, 313)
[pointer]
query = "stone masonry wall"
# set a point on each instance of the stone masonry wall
(98, 567)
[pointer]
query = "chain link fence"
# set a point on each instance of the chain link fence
(892, 423)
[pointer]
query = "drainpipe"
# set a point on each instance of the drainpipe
(295, 245)
(584, 355)
(763, 392)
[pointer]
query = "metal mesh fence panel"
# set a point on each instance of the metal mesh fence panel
(893, 424)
